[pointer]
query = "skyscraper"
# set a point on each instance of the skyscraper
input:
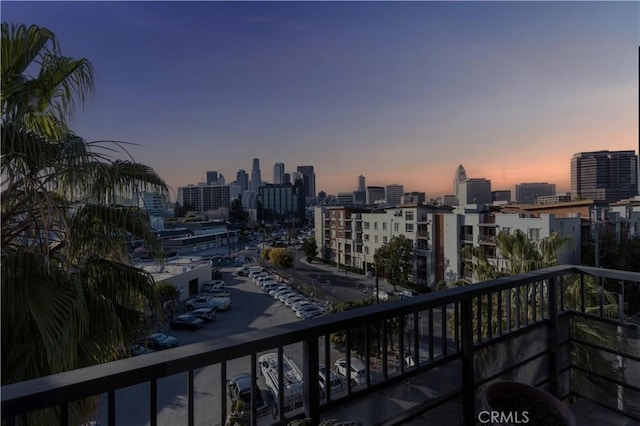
(242, 180)
(361, 185)
(393, 194)
(374, 193)
(604, 175)
(309, 180)
(278, 173)
(212, 177)
(256, 179)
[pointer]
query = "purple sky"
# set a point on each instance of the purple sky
(397, 92)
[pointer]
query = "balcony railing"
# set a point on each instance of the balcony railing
(427, 351)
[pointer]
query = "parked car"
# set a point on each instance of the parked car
(205, 314)
(277, 289)
(242, 271)
(255, 277)
(133, 350)
(158, 341)
(296, 306)
(334, 381)
(213, 285)
(239, 388)
(284, 292)
(358, 371)
(217, 293)
(208, 301)
(270, 285)
(313, 314)
(290, 300)
(316, 310)
(188, 322)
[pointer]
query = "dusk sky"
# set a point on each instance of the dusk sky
(399, 92)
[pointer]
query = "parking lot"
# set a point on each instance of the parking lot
(250, 309)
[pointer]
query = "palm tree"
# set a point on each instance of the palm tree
(518, 254)
(71, 295)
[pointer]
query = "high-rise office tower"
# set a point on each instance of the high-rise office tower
(286, 178)
(526, 193)
(604, 175)
(212, 177)
(278, 173)
(361, 185)
(474, 191)
(242, 180)
(256, 179)
(374, 193)
(393, 194)
(309, 180)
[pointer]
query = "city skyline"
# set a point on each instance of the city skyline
(399, 93)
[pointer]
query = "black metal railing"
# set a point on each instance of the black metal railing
(397, 342)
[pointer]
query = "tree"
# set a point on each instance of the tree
(236, 212)
(518, 254)
(166, 291)
(281, 257)
(265, 254)
(70, 293)
(394, 260)
(310, 248)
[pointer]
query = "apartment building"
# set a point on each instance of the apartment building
(475, 226)
(351, 236)
(203, 197)
(440, 235)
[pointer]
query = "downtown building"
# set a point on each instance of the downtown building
(308, 180)
(393, 194)
(278, 173)
(608, 176)
(280, 202)
(203, 197)
(527, 193)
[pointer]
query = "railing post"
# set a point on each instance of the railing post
(311, 394)
(468, 380)
(552, 339)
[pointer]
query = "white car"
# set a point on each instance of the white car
(264, 278)
(300, 313)
(286, 294)
(286, 291)
(358, 371)
(259, 275)
(277, 289)
(289, 301)
(301, 305)
(213, 285)
(205, 314)
(334, 380)
(270, 285)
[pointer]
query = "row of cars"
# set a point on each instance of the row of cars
(270, 284)
(200, 311)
